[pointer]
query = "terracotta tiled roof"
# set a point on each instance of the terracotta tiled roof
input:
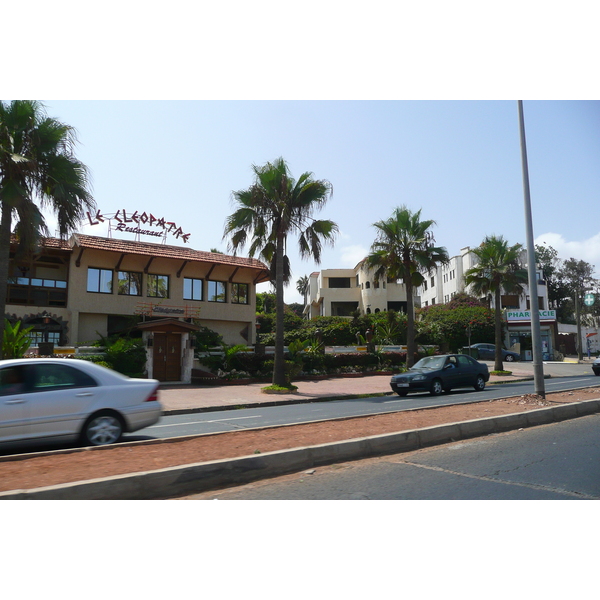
(56, 243)
(164, 251)
(48, 243)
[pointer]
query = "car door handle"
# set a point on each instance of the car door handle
(84, 394)
(17, 401)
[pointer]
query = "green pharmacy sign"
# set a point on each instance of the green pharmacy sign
(588, 299)
(525, 315)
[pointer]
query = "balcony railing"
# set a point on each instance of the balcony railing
(36, 292)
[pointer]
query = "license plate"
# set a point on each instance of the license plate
(402, 385)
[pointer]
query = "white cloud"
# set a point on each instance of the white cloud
(351, 255)
(587, 250)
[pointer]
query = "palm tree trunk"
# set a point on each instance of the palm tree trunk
(5, 226)
(410, 325)
(279, 362)
(498, 331)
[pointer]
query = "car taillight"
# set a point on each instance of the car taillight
(153, 397)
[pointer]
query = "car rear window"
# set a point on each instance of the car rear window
(53, 376)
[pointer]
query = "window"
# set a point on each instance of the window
(129, 284)
(343, 309)
(37, 337)
(158, 286)
(540, 303)
(12, 381)
(52, 377)
(509, 301)
(217, 291)
(339, 282)
(239, 293)
(433, 282)
(98, 281)
(192, 289)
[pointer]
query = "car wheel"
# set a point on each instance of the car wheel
(509, 358)
(102, 428)
(436, 387)
(479, 384)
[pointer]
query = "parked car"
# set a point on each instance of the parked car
(437, 374)
(63, 400)
(488, 352)
(596, 366)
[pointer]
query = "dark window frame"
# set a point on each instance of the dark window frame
(129, 283)
(210, 297)
(191, 297)
(100, 280)
(235, 293)
(150, 286)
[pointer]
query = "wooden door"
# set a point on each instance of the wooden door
(167, 356)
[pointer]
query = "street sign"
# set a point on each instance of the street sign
(588, 299)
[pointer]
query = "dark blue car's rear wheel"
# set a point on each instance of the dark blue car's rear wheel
(479, 384)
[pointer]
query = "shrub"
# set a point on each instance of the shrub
(127, 356)
(441, 324)
(15, 342)
(207, 338)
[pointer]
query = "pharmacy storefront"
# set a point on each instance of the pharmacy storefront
(519, 332)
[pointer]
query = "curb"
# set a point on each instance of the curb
(202, 477)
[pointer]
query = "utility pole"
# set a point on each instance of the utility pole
(578, 321)
(536, 335)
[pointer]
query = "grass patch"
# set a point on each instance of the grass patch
(501, 373)
(278, 389)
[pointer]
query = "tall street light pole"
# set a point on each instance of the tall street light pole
(536, 336)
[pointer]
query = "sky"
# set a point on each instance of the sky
(459, 162)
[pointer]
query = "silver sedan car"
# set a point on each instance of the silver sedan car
(54, 399)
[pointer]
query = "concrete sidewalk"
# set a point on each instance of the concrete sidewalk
(197, 398)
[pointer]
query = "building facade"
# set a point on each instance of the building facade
(73, 292)
(444, 282)
(341, 292)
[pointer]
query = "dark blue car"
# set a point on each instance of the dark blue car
(437, 374)
(488, 352)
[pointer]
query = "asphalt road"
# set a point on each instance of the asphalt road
(232, 420)
(560, 461)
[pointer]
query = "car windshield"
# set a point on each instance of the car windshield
(431, 363)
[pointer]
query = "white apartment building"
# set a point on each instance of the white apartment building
(340, 292)
(444, 282)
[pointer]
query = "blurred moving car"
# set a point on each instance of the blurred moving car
(72, 400)
(437, 374)
(596, 366)
(488, 352)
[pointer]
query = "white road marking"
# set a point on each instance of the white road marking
(213, 421)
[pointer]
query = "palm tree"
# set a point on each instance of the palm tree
(498, 268)
(36, 165)
(302, 286)
(272, 208)
(404, 249)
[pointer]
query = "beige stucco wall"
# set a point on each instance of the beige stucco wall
(89, 310)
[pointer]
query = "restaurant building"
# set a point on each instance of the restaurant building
(74, 292)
